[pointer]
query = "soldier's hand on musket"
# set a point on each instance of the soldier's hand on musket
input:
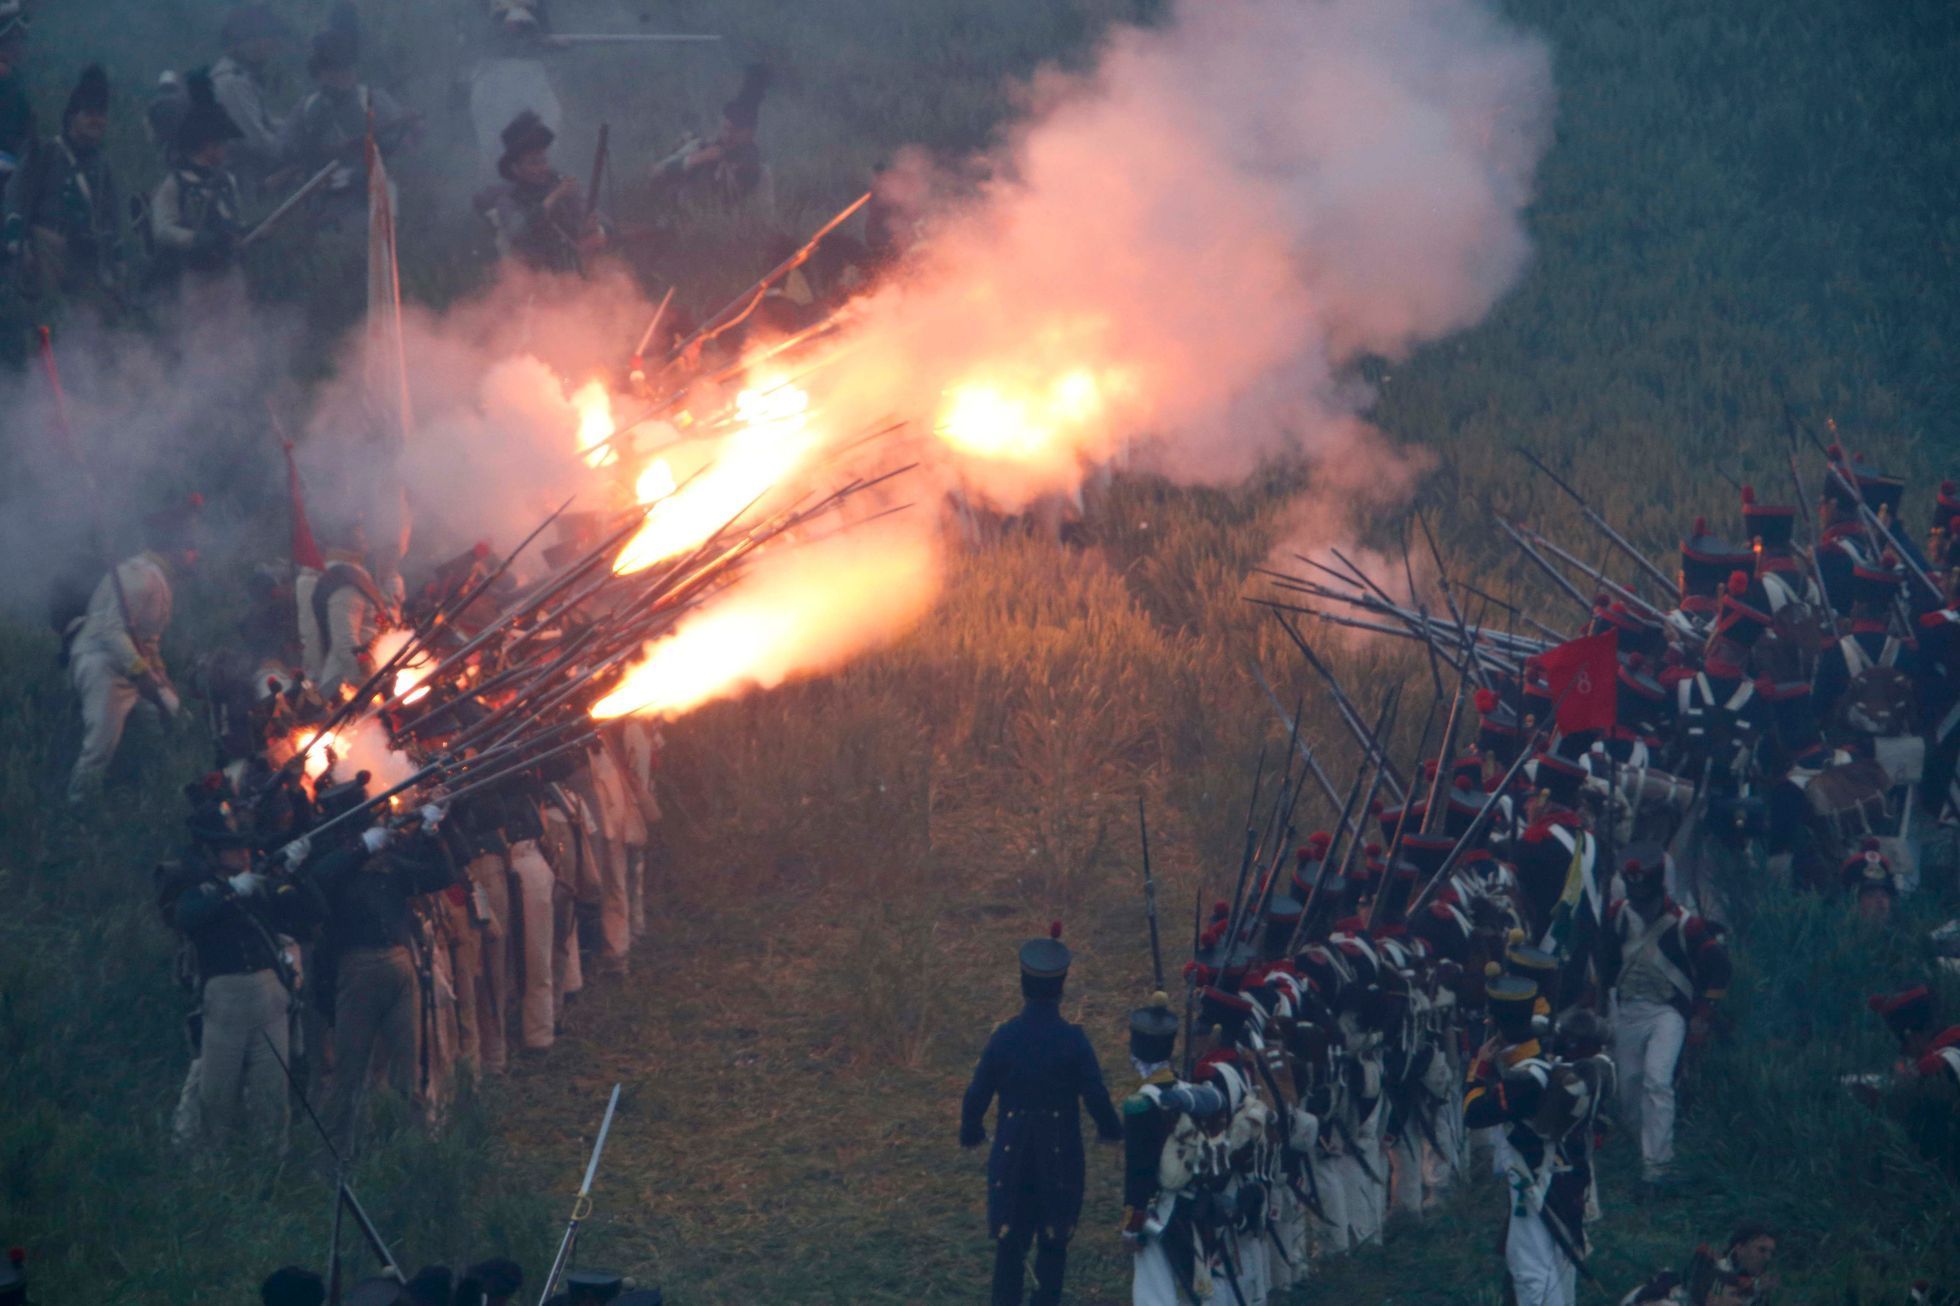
(294, 854)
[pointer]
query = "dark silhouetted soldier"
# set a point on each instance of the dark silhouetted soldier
(1041, 1067)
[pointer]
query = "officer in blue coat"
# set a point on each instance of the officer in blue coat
(1041, 1067)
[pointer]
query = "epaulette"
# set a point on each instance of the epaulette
(1939, 617)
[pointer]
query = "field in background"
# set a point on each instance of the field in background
(1746, 207)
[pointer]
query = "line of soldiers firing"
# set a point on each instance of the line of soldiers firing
(1518, 940)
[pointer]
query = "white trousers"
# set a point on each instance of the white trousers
(534, 943)
(1647, 1039)
(1153, 1282)
(1541, 1274)
(107, 699)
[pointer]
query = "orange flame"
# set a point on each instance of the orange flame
(801, 613)
(773, 439)
(595, 424)
(411, 673)
(990, 420)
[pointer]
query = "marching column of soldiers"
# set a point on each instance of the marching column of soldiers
(1526, 942)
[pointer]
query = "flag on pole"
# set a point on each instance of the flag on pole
(387, 371)
(306, 550)
(1584, 676)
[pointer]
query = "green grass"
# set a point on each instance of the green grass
(1746, 206)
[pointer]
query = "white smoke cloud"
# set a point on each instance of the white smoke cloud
(1219, 219)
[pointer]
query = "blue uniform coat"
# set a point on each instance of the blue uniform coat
(1041, 1067)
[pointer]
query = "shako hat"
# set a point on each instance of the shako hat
(1046, 958)
(205, 121)
(1153, 1030)
(91, 93)
(1768, 526)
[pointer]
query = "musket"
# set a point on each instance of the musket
(1556, 576)
(744, 304)
(1600, 523)
(419, 637)
(1596, 574)
(1191, 987)
(1245, 858)
(293, 201)
(1367, 808)
(1341, 701)
(1526, 752)
(582, 1204)
(1314, 767)
(1351, 825)
(653, 325)
(1512, 609)
(1875, 524)
(1150, 898)
(345, 1198)
(1810, 553)
(633, 38)
(1442, 581)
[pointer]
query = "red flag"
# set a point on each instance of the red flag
(306, 552)
(1584, 676)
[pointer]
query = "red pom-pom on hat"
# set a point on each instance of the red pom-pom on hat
(480, 549)
(1486, 701)
(1738, 584)
(1870, 845)
(195, 500)
(1834, 450)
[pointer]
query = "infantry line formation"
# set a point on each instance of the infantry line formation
(1495, 956)
(1503, 944)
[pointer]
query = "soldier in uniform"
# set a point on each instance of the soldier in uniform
(537, 213)
(115, 649)
(331, 125)
(1044, 1071)
(1513, 1085)
(377, 994)
(346, 612)
(243, 926)
(194, 212)
(1666, 969)
(252, 35)
(1161, 1141)
(729, 166)
(68, 201)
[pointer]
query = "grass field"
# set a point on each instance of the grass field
(1747, 206)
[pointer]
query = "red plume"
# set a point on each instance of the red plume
(1748, 494)
(1701, 526)
(1054, 929)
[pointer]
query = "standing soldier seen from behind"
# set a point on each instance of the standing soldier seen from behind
(68, 203)
(115, 648)
(1044, 1071)
(537, 213)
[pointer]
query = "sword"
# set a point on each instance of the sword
(582, 1204)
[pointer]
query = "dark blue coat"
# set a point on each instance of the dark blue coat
(1041, 1067)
